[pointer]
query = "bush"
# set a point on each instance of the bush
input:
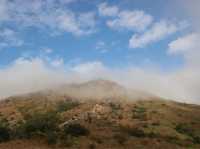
(4, 130)
(137, 133)
(140, 109)
(115, 106)
(139, 113)
(132, 131)
(187, 130)
(19, 130)
(184, 129)
(66, 105)
(120, 138)
(97, 139)
(52, 137)
(196, 139)
(75, 130)
(92, 146)
(43, 124)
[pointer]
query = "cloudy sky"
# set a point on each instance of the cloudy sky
(151, 45)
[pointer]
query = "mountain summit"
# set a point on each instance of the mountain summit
(99, 90)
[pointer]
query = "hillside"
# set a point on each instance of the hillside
(71, 117)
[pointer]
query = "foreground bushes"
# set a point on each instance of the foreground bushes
(188, 130)
(4, 130)
(133, 131)
(42, 124)
(66, 105)
(76, 130)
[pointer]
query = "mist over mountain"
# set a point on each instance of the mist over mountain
(99, 74)
(96, 114)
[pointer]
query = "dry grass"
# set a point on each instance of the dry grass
(107, 123)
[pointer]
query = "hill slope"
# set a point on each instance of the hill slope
(58, 119)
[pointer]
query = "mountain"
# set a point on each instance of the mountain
(98, 114)
(100, 90)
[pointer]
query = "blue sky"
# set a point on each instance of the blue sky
(30, 38)
(151, 45)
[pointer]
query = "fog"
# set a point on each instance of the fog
(25, 76)
(183, 84)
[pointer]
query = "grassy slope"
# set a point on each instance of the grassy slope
(139, 124)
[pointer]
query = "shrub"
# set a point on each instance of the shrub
(173, 139)
(140, 110)
(4, 130)
(132, 131)
(184, 129)
(52, 137)
(157, 123)
(137, 132)
(187, 130)
(75, 130)
(19, 130)
(97, 139)
(92, 146)
(66, 105)
(139, 113)
(120, 138)
(196, 139)
(68, 141)
(41, 124)
(115, 106)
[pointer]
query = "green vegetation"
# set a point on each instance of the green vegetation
(92, 146)
(66, 105)
(184, 129)
(188, 130)
(120, 138)
(4, 130)
(139, 113)
(132, 131)
(43, 124)
(76, 130)
(114, 106)
(68, 124)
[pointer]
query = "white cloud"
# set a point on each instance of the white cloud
(47, 50)
(51, 14)
(66, 1)
(57, 62)
(24, 76)
(157, 32)
(102, 47)
(3, 11)
(131, 20)
(77, 25)
(189, 47)
(141, 22)
(85, 69)
(183, 44)
(105, 10)
(9, 38)
(136, 20)
(29, 75)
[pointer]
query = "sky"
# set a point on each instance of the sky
(151, 45)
